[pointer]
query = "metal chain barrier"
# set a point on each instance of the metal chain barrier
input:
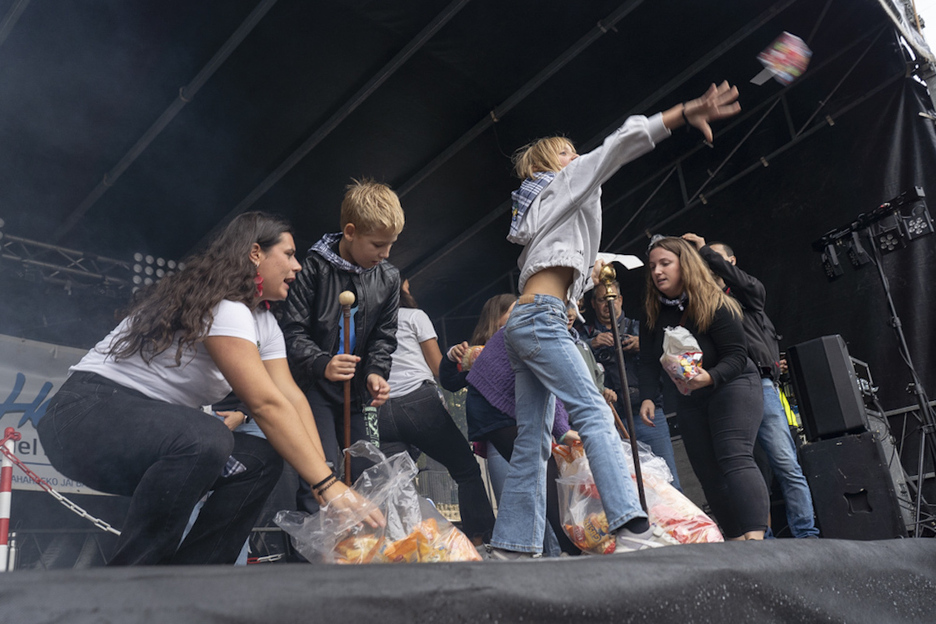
(12, 434)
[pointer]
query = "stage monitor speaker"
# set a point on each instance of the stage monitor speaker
(852, 488)
(826, 388)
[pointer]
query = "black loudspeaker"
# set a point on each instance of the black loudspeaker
(826, 388)
(852, 488)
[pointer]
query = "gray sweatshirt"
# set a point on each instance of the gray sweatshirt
(562, 227)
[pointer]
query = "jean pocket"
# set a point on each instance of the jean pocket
(521, 338)
(425, 414)
(66, 409)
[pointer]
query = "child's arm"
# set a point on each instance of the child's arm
(637, 136)
(382, 342)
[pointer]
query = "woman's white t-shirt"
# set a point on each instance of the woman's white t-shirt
(197, 381)
(409, 368)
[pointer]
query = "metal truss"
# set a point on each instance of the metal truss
(69, 268)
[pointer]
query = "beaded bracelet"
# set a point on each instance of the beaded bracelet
(322, 491)
(324, 481)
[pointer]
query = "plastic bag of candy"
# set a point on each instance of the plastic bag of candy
(584, 519)
(415, 531)
(468, 360)
(682, 356)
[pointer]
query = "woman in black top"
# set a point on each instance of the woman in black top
(719, 410)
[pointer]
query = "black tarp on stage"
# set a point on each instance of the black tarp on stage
(775, 581)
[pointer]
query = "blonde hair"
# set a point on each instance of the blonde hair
(540, 156)
(705, 297)
(371, 207)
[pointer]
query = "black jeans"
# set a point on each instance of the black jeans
(165, 457)
(329, 420)
(420, 419)
(718, 429)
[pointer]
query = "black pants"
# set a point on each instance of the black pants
(329, 420)
(719, 428)
(503, 441)
(165, 457)
(420, 419)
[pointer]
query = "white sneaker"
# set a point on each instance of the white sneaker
(498, 554)
(626, 541)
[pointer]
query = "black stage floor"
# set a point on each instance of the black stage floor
(774, 581)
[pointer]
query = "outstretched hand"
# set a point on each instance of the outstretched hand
(348, 501)
(717, 103)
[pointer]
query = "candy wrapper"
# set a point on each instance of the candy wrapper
(415, 532)
(682, 357)
(786, 58)
(469, 358)
(584, 519)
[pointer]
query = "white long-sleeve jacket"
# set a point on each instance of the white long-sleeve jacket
(562, 227)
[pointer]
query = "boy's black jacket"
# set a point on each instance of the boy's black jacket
(309, 319)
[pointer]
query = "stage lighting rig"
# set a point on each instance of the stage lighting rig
(830, 262)
(888, 227)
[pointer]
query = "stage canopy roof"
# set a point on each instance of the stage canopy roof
(143, 127)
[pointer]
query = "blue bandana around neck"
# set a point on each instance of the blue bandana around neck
(524, 196)
(324, 248)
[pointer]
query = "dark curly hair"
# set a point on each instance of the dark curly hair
(182, 303)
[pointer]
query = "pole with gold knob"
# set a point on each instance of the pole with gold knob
(346, 299)
(607, 277)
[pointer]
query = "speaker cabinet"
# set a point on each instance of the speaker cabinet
(826, 388)
(852, 488)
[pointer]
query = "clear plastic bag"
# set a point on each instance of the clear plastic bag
(415, 531)
(583, 516)
(682, 356)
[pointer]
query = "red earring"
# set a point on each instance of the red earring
(258, 280)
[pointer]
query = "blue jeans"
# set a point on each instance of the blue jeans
(774, 437)
(547, 364)
(658, 439)
(420, 419)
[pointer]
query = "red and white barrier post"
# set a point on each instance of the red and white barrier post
(6, 495)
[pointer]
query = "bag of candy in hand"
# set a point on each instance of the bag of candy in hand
(682, 356)
(583, 517)
(415, 531)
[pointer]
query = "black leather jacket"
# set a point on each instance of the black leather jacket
(309, 318)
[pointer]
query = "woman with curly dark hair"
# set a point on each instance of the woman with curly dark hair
(128, 419)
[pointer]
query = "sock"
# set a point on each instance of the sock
(637, 525)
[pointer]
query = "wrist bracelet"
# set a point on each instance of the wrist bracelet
(322, 491)
(324, 481)
(685, 118)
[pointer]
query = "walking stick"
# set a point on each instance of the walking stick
(617, 421)
(346, 299)
(607, 277)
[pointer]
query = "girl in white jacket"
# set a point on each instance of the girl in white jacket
(557, 218)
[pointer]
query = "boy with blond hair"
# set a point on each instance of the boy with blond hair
(353, 259)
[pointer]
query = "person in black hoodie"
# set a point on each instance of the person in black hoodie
(774, 433)
(353, 259)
